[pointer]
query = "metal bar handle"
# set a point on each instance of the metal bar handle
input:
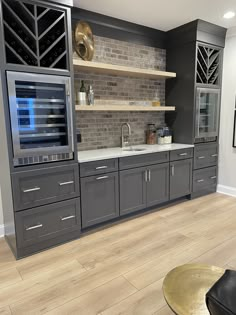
(183, 154)
(101, 167)
(172, 170)
(66, 183)
(201, 157)
(146, 176)
(200, 180)
(102, 177)
(149, 175)
(214, 155)
(213, 177)
(31, 189)
(34, 227)
(68, 218)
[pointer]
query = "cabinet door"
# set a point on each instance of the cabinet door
(133, 190)
(180, 178)
(158, 184)
(99, 198)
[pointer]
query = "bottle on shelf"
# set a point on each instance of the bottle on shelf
(90, 95)
(82, 95)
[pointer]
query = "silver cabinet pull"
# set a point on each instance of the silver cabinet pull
(214, 155)
(200, 180)
(31, 189)
(68, 218)
(101, 167)
(34, 227)
(201, 157)
(172, 170)
(149, 175)
(66, 183)
(146, 176)
(213, 177)
(102, 177)
(183, 154)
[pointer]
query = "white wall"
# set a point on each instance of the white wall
(1, 215)
(227, 158)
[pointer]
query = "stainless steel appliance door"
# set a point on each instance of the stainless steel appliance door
(207, 112)
(41, 114)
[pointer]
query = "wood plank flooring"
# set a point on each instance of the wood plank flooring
(120, 269)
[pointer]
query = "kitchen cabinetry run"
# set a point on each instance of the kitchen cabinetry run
(99, 198)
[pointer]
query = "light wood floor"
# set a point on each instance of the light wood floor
(119, 270)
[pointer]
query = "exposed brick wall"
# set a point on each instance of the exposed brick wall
(102, 130)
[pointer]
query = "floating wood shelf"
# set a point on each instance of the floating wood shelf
(131, 108)
(104, 68)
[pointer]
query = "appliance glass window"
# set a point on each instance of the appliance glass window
(208, 113)
(41, 114)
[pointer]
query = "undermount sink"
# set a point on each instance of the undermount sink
(134, 150)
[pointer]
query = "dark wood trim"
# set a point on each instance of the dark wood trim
(110, 27)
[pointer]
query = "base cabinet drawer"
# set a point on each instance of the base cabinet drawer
(99, 198)
(182, 154)
(44, 223)
(98, 167)
(44, 186)
(143, 160)
(202, 179)
(205, 155)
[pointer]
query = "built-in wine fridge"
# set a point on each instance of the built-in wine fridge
(41, 118)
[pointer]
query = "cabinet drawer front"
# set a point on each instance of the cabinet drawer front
(204, 178)
(143, 160)
(99, 198)
(40, 187)
(43, 223)
(181, 154)
(205, 155)
(98, 167)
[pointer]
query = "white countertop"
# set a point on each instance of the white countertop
(112, 153)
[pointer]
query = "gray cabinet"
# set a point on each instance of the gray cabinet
(99, 198)
(133, 190)
(35, 226)
(98, 167)
(180, 178)
(143, 187)
(205, 155)
(157, 184)
(44, 186)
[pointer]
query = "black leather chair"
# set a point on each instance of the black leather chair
(221, 298)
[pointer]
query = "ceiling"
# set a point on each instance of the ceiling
(164, 15)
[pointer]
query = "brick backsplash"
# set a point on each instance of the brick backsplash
(102, 130)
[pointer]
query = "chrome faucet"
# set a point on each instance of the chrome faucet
(125, 139)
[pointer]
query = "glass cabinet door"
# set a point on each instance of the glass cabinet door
(207, 112)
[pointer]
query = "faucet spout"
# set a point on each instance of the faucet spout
(124, 139)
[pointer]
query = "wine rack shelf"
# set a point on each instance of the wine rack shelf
(34, 35)
(208, 65)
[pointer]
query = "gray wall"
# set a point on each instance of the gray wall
(227, 167)
(103, 130)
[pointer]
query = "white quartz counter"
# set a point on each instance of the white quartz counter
(112, 153)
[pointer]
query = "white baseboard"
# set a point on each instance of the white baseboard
(231, 191)
(1, 230)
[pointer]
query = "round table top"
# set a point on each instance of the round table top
(185, 288)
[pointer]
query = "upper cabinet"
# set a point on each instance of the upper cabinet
(36, 35)
(208, 64)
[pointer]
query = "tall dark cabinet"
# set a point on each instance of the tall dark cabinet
(195, 52)
(39, 170)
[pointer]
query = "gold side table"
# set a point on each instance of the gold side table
(185, 288)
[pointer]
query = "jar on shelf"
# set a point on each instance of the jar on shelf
(151, 134)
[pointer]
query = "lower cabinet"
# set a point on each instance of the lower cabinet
(143, 187)
(99, 198)
(133, 190)
(46, 226)
(180, 178)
